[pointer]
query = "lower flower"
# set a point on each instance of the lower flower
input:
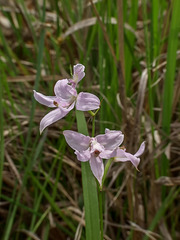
(95, 149)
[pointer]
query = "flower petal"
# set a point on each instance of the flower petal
(141, 150)
(52, 117)
(63, 90)
(77, 141)
(134, 160)
(78, 72)
(111, 139)
(107, 154)
(123, 156)
(45, 100)
(111, 131)
(87, 101)
(97, 168)
(83, 156)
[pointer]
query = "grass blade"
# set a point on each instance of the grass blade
(170, 76)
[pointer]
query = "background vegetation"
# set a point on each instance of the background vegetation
(131, 53)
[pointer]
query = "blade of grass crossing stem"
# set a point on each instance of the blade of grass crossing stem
(89, 189)
(170, 75)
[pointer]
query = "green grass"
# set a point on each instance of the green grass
(32, 48)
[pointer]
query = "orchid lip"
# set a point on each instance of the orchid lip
(96, 152)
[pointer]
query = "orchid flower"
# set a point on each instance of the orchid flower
(94, 149)
(78, 74)
(66, 98)
(123, 156)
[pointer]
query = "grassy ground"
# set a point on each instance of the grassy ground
(135, 70)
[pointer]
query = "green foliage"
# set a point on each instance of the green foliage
(40, 178)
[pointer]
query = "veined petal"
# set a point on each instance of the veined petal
(134, 160)
(141, 150)
(77, 141)
(78, 72)
(83, 156)
(107, 154)
(63, 90)
(123, 156)
(87, 101)
(45, 100)
(97, 168)
(111, 139)
(52, 117)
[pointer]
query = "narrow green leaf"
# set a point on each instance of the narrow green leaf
(89, 190)
(1, 131)
(171, 66)
(170, 76)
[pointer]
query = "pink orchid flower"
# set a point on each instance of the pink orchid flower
(78, 74)
(66, 98)
(123, 156)
(94, 149)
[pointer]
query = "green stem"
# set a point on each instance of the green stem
(93, 126)
(105, 171)
(100, 196)
(93, 114)
(89, 189)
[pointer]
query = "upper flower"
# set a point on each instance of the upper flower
(123, 156)
(66, 97)
(78, 74)
(95, 149)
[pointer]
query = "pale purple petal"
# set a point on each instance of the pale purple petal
(78, 72)
(45, 100)
(87, 101)
(111, 139)
(134, 160)
(112, 131)
(52, 117)
(77, 141)
(141, 150)
(83, 156)
(63, 90)
(107, 154)
(97, 168)
(123, 156)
